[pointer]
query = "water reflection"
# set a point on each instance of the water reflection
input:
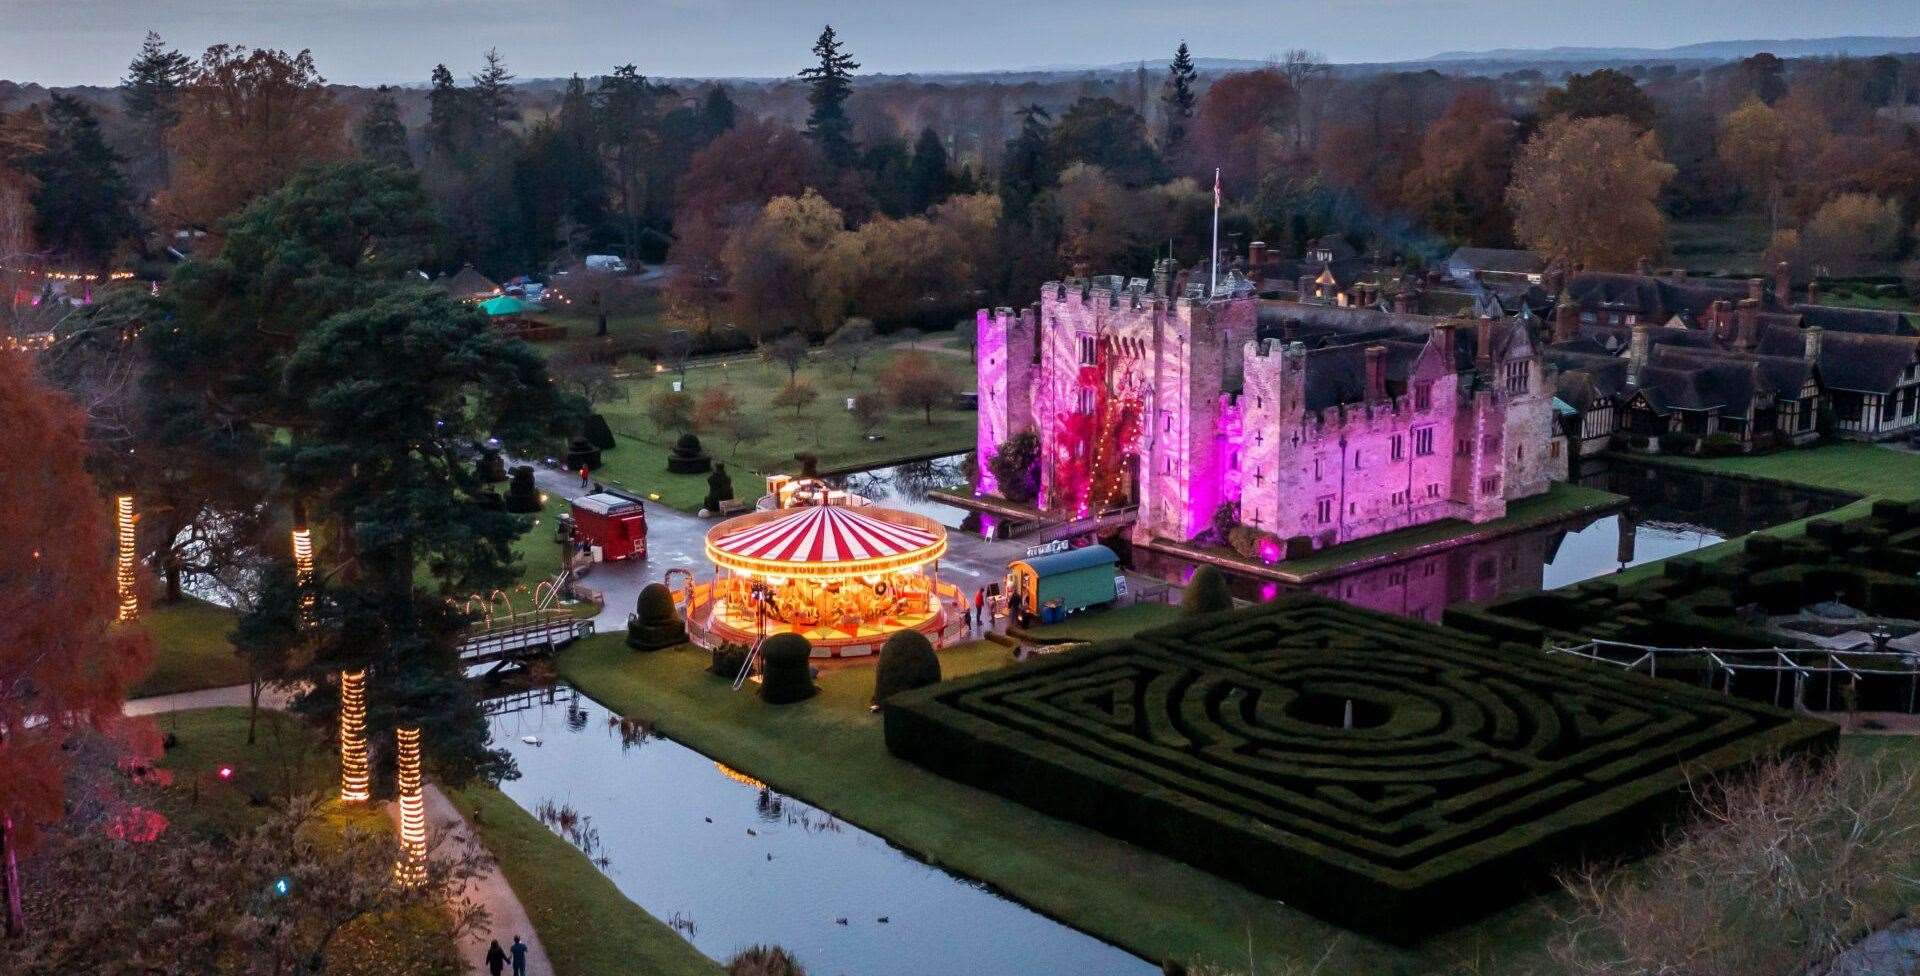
(904, 486)
(728, 862)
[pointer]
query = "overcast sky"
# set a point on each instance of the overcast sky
(66, 42)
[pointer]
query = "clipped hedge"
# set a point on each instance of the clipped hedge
(907, 661)
(655, 624)
(786, 671)
(1471, 772)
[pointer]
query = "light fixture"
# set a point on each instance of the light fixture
(125, 571)
(411, 869)
(303, 570)
(353, 737)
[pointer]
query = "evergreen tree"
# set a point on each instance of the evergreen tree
(1107, 134)
(493, 96)
(929, 179)
(83, 207)
(717, 112)
(630, 117)
(150, 93)
(1177, 99)
(449, 117)
(1026, 165)
(381, 136)
(828, 84)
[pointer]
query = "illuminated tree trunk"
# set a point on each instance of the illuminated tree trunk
(411, 869)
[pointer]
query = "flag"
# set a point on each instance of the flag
(1216, 187)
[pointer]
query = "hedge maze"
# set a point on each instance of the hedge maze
(1465, 774)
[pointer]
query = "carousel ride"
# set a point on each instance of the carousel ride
(844, 578)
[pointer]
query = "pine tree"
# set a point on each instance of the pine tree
(381, 136)
(493, 95)
(150, 93)
(928, 179)
(829, 83)
(717, 112)
(1177, 99)
(83, 207)
(1026, 165)
(449, 116)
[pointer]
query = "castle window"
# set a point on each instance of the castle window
(1553, 449)
(1517, 376)
(1316, 469)
(1460, 449)
(1423, 441)
(1586, 318)
(1433, 489)
(1632, 318)
(1520, 453)
(1166, 420)
(1236, 461)
(1259, 477)
(1085, 400)
(1399, 447)
(1356, 459)
(1086, 349)
(1326, 509)
(1423, 396)
(1490, 485)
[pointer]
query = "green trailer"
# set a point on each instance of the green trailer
(1063, 582)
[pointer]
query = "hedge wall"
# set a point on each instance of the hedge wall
(1470, 771)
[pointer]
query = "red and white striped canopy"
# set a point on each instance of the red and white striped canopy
(825, 539)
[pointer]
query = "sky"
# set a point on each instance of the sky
(73, 42)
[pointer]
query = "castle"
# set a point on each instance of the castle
(1307, 425)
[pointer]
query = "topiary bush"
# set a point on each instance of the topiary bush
(727, 660)
(598, 433)
(1206, 592)
(786, 669)
(654, 623)
(907, 661)
(491, 468)
(582, 454)
(688, 457)
(719, 488)
(522, 497)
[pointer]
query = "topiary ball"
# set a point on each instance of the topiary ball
(654, 624)
(582, 454)
(1206, 593)
(786, 670)
(907, 661)
(687, 457)
(522, 497)
(688, 445)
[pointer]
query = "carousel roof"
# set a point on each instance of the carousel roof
(825, 540)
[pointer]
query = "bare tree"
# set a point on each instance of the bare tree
(870, 410)
(676, 352)
(851, 343)
(788, 352)
(1780, 872)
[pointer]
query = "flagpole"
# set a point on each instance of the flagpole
(1213, 272)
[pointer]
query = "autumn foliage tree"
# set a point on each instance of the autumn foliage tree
(249, 119)
(1585, 193)
(1240, 127)
(64, 664)
(913, 382)
(1458, 186)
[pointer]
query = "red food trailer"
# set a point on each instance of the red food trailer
(614, 522)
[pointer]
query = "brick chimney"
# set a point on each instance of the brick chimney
(1746, 330)
(1443, 342)
(1256, 254)
(1376, 373)
(1812, 336)
(1403, 301)
(1782, 286)
(1756, 289)
(1720, 319)
(1638, 349)
(1566, 320)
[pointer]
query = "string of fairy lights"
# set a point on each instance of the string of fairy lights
(354, 779)
(303, 570)
(411, 869)
(126, 561)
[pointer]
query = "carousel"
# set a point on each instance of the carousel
(843, 578)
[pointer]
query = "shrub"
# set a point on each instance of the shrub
(719, 488)
(1016, 467)
(1719, 445)
(786, 669)
(598, 433)
(491, 468)
(688, 457)
(760, 960)
(654, 623)
(581, 454)
(1206, 593)
(907, 661)
(522, 497)
(1258, 543)
(727, 660)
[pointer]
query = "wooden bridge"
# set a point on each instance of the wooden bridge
(509, 640)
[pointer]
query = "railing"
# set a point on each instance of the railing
(1723, 665)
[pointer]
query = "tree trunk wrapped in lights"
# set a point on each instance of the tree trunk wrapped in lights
(303, 569)
(126, 565)
(412, 866)
(353, 737)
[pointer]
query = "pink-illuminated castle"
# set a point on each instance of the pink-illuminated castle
(1320, 425)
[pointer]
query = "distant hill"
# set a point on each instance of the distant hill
(1856, 46)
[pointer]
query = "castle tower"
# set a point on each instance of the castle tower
(1272, 408)
(1182, 489)
(1005, 354)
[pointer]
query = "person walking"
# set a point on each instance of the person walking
(584, 481)
(496, 958)
(519, 957)
(979, 606)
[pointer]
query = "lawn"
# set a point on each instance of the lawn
(1096, 625)
(588, 927)
(828, 752)
(190, 649)
(1863, 469)
(826, 429)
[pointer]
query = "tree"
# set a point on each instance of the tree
(829, 82)
(82, 204)
(1764, 76)
(850, 343)
(1848, 230)
(1599, 94)
(493, 96)
(1015, 466)
(1027, 163)
(1459, 183)
(629, 108)
(150, 93)
(746, 427)
(1782, 869)
(1756, 148)
(450, 119)
(249, 120)
(66, 665)
(381, 136)
(789, 352)
(796, 396)
(1102, 132)
(716, 411)
(727, 186)
(1239, 127)
(1095, 219)
(670, 410)
(929, 179)
(1177, 99)
(870, 410)
(1206, 592)
(773, 265)
(913, 382)
(1584, 193)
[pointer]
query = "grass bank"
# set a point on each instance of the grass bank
(588, 927)
(190, 649)
(828, 752)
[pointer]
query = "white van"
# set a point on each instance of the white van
(606, 262)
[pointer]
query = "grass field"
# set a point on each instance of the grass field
(1105, 624)
(588, 927)
(190, 649)
(826, 429)
(828, 751)
(1863, 469)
